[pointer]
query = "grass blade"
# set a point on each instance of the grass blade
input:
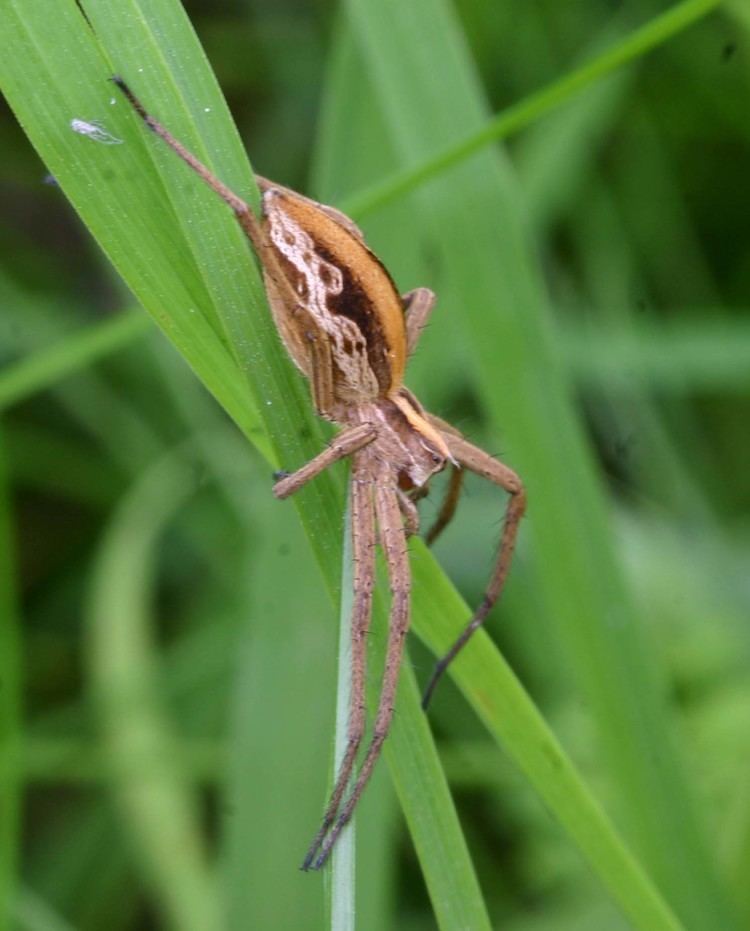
(11, 777)
(33, 914)
(475, 221)
(526, 111)
(148, 779)
(48, 366)
(342, 888)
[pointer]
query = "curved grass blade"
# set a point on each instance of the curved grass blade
(521, 114)
(149, 780)
(46, 367)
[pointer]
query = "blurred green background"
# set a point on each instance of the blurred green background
(142, 544)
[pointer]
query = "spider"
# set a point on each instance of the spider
(348, 330)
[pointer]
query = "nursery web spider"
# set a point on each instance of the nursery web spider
(347, 329)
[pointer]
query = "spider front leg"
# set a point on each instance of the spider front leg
(363, 558)
(393, 542)
(341, 446)
(477, 460)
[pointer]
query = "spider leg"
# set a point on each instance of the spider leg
(245, 216)
(477, 460)
(341, 446)
(393, 540)
(321, 374)
(448, 507)
(321, 377)
(418, 305)
(317, 348)
(363, 557)
(409, 512)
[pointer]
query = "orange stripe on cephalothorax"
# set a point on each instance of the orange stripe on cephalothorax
(423, 426)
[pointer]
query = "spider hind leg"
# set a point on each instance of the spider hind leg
(393, 539)
(477, 460)
(363, 558)
(448, 506)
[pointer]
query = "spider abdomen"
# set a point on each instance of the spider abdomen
(333, 302)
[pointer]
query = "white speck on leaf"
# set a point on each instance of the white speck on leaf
(94, 130)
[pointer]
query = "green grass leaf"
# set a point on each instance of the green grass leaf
(342, 895)
(149, 780)
(524, 112)
(45, 368)
(475, 223)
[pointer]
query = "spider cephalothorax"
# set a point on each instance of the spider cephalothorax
(349, 331)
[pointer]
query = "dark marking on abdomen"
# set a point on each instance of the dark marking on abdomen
(356, 305)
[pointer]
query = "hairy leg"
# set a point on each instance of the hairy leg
(449, 505)
(341, 446)
(409, 512)
(363, 557)
(477, 460)
(321, 372)
(277, 285)
(393, 539)
(418, 305)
